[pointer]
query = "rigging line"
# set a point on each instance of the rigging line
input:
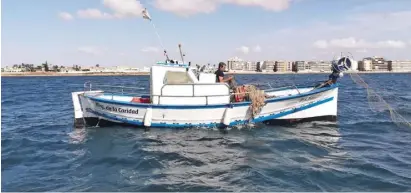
(158, 35)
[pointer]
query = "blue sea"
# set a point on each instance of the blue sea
(362, 151)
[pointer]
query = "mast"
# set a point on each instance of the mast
(181, 53)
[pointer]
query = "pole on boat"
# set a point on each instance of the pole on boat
(181, 53)
(147, 16)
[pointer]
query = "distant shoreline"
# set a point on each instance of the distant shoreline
(22, 74)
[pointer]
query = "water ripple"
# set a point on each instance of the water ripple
(362, 151)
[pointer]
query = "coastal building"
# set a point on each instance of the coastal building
(294, 66)
(399, 65)
(121, 69)
(312, 64)
(365, 65)
(290, 66)
(13, 69)
(360, 65)
(234, 63)
(320, 66)
(96, 69)
(145, 69)
(237, 65)
(268, 66)
(65, 69)
(259, 66)
(301, 66)
(389, 65)
(354, 66)
(250, 66)
(368, 65)
(281, 66)
(379, 64)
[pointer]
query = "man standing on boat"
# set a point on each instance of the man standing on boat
(219, 74)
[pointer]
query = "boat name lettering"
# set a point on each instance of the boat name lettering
(307, 98)
(117, 109)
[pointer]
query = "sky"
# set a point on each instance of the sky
(114, 33)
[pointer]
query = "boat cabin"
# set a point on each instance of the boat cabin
(179, 84)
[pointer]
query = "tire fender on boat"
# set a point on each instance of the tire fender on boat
(148, 117)
(227, 116)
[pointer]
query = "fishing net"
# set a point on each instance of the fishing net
(378, 104)
(358, 80)
(257, 98)
(375, 101)
(253, 94)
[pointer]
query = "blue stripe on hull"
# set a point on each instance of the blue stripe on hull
(234, 123)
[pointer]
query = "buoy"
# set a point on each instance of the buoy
(227, 117)
(147, 117)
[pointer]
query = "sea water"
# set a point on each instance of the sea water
(362, 151)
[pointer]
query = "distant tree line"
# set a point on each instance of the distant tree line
(46, 67)
(31, 68)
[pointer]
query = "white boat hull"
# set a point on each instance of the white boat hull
(318, 103)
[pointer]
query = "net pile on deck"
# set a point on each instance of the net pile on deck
(250, 93)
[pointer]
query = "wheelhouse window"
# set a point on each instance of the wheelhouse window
(177, 78)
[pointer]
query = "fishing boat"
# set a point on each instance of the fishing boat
(182, 96)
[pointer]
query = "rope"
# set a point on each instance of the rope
(158, 36)
(146, 16)
(98, 122)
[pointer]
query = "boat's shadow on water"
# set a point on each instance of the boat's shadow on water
(231, 159)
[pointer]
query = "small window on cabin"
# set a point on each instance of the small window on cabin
(177, 78)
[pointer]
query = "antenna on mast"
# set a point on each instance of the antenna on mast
(181, 53)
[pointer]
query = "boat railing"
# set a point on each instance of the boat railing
(110, 89)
